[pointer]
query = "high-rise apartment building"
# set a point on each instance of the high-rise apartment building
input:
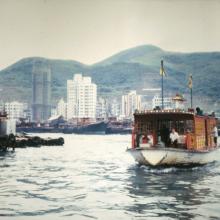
(114, 108)
(62, 108)
(101, 108)
(81, 97)
(130, 103)
(41, 87)
(167, 102)
(16, 110)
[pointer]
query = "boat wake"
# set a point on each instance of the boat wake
(176, 169)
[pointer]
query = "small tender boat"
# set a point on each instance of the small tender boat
(195, 144)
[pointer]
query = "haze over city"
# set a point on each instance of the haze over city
(89, 31)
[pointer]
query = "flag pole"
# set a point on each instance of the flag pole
(191, 98)
(162, 73)
(190, 85)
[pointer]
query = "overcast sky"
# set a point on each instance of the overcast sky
(91, 30)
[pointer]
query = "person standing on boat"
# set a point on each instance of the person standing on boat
(174, 137)
(164, 134)
(215, 134)
(138, 139)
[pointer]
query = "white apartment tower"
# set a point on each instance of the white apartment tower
(81, 97)
(114, 108)
(62, 108)
(167, 102)
(101, 108)
(130, 103)
(16, 110)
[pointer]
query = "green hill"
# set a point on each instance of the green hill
(135, 68)
(16, 80)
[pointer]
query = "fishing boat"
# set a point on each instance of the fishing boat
(151, 138)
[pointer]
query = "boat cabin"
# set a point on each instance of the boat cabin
(152, 128)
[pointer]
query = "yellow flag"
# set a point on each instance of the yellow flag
(162, 71)
(190, 83)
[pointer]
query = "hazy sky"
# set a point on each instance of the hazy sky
(91, 30)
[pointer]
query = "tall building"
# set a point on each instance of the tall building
(2, 106)
(16, 110)
(167, 102)
(62, 108)
(114, 108)
(101, 108)
(41, 87)
(130, 103)
(81, 97)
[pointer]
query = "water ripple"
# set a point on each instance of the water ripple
(92, 177)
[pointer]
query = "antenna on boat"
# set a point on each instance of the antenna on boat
(162, 73)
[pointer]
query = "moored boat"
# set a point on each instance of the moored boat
(119, 127)
(92, 128)
(151, 138)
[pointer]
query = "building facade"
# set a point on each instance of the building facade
(130, 103)
(62, 108)
(41, 89)
(101, 108)
(81, 97)
(167, 102)
(16, 110)
(114, 108)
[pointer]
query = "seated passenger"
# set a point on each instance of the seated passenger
(215, 135)
(144, 139)
(147, 140)
(150, 139)
(174, 136)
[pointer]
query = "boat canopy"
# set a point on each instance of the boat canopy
(195, 131)
(164, 115)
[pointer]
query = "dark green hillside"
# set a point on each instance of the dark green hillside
(205, 68)
(146, 55)
(135, 68)
(119, 77)
(16, 80)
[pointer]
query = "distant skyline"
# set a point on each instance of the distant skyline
(89, 31)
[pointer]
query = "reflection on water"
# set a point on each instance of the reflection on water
(92, 177)
(170, 192)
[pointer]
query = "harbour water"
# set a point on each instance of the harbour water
(92, 177)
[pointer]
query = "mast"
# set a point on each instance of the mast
(191, 98)
(162, 73)
(190, 87)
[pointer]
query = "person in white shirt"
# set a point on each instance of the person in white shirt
(215, 134)
(150, 139)
(174, 137)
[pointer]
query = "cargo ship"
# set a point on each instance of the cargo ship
(195, 143)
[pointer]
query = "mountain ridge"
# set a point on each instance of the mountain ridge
(134, 68)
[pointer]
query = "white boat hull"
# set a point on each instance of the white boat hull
(173, 156)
